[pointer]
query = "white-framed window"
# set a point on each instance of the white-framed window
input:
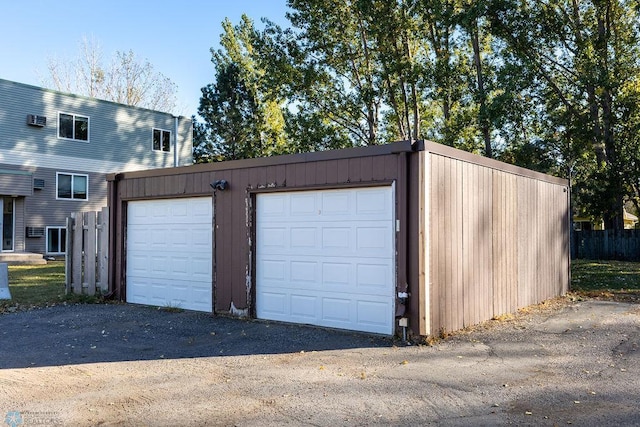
(73, 126)
(72, 186)
(56, 240)
(161, 140)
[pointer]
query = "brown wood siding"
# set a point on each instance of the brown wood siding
(498, 241)
(234, 210)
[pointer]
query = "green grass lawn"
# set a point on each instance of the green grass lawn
(612, 279)
(38, 285)
(589, 275)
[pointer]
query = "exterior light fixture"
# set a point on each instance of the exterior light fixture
(220, 184)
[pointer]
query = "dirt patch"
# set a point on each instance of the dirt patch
(558, 363)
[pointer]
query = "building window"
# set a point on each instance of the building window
(72, 126)
(56, 240)
(161, 140)
(71, 186)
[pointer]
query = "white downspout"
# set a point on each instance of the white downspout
(175, 142)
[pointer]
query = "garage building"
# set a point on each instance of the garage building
(419, 236)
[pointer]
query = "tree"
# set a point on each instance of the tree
(241, 118)
(125, 79)
(585, 56)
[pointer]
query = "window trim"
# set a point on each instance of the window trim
(72, 175)
(46, 237)
(170, 140)
(74, 115)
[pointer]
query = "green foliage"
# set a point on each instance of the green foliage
(549, 85)
(241, 119)
(583, 55)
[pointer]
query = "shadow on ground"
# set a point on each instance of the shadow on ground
(89, 333)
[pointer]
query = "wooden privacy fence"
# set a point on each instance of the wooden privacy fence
(87, 255)
(606, 244)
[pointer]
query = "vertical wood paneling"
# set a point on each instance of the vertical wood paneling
(510, 251)
(311, 172)
(240, 248)
(366, 169)
(300, 174)
(343, 170)
(522, 237)
(332, 171)
(224, 235)
(379, 169)
(255, 177)
(354, 170)
(470, 202)
(436, 287)
(452, 291)
(419, 244)
(321, 173)
(456, 229)
(446, 232)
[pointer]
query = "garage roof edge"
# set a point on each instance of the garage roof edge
(454, 153)
(346, 153)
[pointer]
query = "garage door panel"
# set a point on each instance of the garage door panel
(169, 253)
(336, 273)
(372, 313)
(274, 304)
(274, 237)
(179, 267)
(335, 310)
(301, 237)
(336, 203)
(327, 258)
(303, 271)
(373, 277)
(336, 238)
(303, 306)
(358, 275)
(160, 291)
(302, 204)
(329, 206)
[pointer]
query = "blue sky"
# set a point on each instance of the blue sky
(175, 37)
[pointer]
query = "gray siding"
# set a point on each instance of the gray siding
(120, 139)
(117, 133)
(45, 211)
(19, 237)
(16, 182)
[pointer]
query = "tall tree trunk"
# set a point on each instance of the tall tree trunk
(482, 96)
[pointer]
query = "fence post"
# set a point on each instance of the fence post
(90, 252)
(103, 250)
(77, 253)
(68, 259)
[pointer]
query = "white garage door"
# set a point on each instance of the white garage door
(327, 258)
(169, 253)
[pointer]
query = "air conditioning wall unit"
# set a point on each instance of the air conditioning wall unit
(35, 120)
(38, 183)
(35, 231)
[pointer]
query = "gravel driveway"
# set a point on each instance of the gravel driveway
(562, 363)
